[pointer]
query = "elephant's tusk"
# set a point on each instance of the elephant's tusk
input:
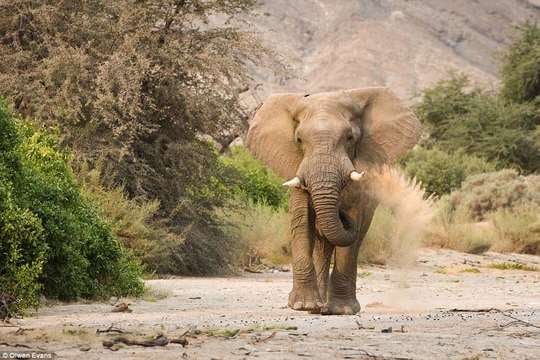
(294, 182)
(356, 176)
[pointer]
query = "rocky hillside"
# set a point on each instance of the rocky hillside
(404, 44)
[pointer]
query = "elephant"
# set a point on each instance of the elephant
(324, 144)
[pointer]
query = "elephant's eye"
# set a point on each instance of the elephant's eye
(350, 138)
(298, 140)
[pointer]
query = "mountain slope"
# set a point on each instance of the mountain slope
(404, 44)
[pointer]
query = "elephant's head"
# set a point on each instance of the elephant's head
(322, 142)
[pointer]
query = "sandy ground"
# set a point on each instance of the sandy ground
(418, 303)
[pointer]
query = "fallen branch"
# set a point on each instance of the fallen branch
(253, 271)
(20, 331)
(517, 321)
(365, 353)
(256, 339)
(15, 345)
(110, 329)
(160, 340)
(475, 310)
(503, 313)
(7, 324)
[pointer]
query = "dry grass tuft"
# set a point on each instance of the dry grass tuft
(470, 270)
(512, 266)
(264, 231)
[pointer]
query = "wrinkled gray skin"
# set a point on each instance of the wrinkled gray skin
(321, 139)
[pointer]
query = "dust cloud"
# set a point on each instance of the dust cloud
(411, 213)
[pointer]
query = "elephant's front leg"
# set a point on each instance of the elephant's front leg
(322, 254)
(305, 294)
(342, 290)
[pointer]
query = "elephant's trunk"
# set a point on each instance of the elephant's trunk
(324, 181)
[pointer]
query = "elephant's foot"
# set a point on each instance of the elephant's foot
(305, 298)
(341, 307)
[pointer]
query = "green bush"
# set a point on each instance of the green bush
(481, 123)
(441, 172)
(257, 182)
(52, 238)
(22, 253)
(521, 67)
(502, 190)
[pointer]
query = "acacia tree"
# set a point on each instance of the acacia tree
(133, 84)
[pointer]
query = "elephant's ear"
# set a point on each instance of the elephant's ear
(271, 135)
(389, 128)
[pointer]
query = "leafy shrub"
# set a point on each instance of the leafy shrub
(52, 237)
(481, 124)
(521, 68)
(257, 182)
(441, 172)
(501, 190)
(131, 220)
(22, 253)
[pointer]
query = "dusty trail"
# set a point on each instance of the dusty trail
(419, 301)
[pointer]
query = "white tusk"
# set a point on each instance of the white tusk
(294, 182)
(356, 176)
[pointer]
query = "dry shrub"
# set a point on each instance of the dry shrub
(497, 211)
(264, 232)
(454, 230)
(517, 231)
(489, 192)
(401, 220)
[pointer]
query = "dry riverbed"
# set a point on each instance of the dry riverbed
(448, 305)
